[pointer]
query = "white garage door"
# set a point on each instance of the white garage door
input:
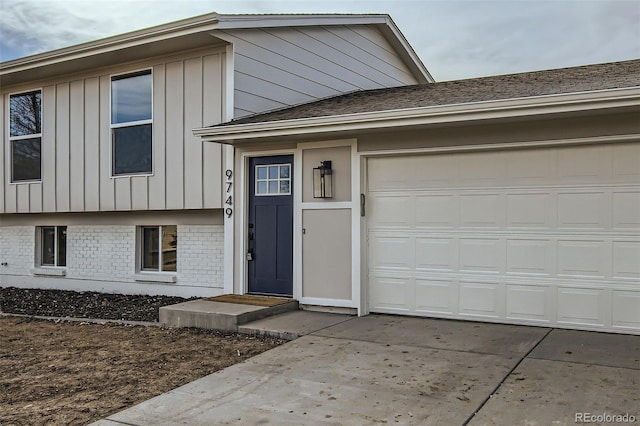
(540, 236)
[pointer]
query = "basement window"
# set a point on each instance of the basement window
(158, 248)
(52, 246)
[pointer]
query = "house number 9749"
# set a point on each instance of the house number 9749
(229, 201)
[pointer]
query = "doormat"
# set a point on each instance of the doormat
(244, 299)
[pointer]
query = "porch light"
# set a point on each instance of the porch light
(322, 182)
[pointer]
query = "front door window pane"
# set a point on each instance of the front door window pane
(273, 180)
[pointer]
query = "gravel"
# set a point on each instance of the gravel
(84, 304)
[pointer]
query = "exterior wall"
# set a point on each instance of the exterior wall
(103, 257)
(278, 67)
(16, 250)
(76, 141)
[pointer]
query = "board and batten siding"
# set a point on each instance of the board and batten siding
(278, 67)
(76, 142)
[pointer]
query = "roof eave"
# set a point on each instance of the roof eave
(440, 114)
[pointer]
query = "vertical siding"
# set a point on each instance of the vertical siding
(175, 133)
(192, 145)
(91, 145)
(285, 66)
(107, 185)
(49, 149)
(76, 144)
(62, 147)
(157, 182)
(213, 66)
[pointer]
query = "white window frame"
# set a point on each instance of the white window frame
(9, 149)
(141, 247)
(40, 247)
(113, 126)
(268, 179)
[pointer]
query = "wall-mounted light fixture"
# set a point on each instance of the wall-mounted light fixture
(322, 182)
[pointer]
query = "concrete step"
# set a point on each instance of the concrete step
(213, 315)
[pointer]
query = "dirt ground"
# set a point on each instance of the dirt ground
(65, 373)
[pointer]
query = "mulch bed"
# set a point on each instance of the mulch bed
(85, 304)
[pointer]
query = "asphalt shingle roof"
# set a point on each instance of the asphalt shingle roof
(538, 83)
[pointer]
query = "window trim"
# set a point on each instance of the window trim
(121, 76)
(140, 270)
(10, 139)
(40, 248)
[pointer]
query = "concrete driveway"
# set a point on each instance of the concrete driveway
(400, 370)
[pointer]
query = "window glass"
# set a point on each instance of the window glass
(25, 128)
(48, 241)
(131, 97)
(150, 255)
(53, 245)
(132, 150)
(273, 179)
(25, 159)
(169, 248)
(25, 114)
(61, 252)
(131, 115)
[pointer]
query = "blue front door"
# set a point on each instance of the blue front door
(270, 231)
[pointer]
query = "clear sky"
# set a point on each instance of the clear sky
(454, 38)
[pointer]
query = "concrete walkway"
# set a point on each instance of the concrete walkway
(400, 370)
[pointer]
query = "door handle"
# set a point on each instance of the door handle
(362, 205)
(249, 256)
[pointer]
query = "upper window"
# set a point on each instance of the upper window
(273, 179)
(25, 135)
(159, 248)
(53, 246)
(131, 128)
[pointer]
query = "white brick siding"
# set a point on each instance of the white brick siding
(102, 252)
(200, 255)
(17, 249)
(107, 254)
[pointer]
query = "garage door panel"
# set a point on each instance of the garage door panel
(626, 309)
(481, 299)
(530, 257)
(392, 252)
(584, 165)
(626, 260)
(626, 163)
(546, 236)
(583, 210)
(529, 302)
(436, 254)
(481, 255)
(391, 293)
(482, 210)
(436, 210)
(392, 211)
(482, 169)
(531, 167)
(581, 306)
(626, 210)
(578, 258)
(436, 296)
(530, 210)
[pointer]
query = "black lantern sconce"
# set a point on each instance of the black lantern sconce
(322, 182)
